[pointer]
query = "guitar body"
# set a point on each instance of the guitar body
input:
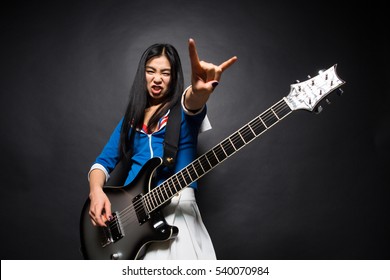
(128, 235)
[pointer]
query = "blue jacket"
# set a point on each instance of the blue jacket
(147, 146)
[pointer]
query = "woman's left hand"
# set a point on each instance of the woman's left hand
(205, 77)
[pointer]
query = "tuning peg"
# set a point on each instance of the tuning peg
(340, 92)
(321, 71)
(328, 101)
(318, 109)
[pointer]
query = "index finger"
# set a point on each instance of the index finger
(194, 58)
(225, 65)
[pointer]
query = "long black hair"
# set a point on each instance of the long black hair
(139, 97)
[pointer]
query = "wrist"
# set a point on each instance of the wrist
(189, 96)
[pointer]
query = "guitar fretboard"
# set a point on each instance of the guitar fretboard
(206, 162)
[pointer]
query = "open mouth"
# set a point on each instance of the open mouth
(156, 90)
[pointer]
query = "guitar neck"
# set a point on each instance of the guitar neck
(219, 153)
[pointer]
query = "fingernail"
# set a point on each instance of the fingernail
(215, 84)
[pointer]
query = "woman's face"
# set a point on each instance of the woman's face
(158, 77)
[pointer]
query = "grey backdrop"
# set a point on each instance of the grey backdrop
(312, 187)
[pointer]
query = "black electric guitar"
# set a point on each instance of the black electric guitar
(136, 207)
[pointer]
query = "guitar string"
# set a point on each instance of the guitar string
(154, 193)
(247, 132)
(127, 215)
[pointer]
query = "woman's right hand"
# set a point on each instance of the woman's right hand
(100, 208)
(100, 205)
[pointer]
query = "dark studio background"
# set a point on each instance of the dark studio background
(312, 187)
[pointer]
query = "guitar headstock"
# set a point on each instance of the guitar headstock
(307, 94)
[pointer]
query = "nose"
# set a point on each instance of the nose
(157, 78)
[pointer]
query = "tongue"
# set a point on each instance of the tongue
(156, 90)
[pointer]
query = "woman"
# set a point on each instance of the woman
(157, 87)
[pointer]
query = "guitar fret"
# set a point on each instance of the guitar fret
(270, 118)
(266, 127)
(223, 150)
(197, 175)
(189, 172)
(163, 196)
(275, 114)
(196, 165)
(228, 147)
(213, 150)
(252, 130)
(204, 157)
(169, 189)
(247, 134)
(238, 132)
(157, 190)
(220, 154)
(181, 180)
(211, 158)
(177, 182)
(184, 179)
(174, 186)
(282, 108)
(145, 203)
(148, 202)
(237, 140)
(165, 189)
(154, 201)
(187, 175)
(201, 164)
(258, 126)
(158, 197)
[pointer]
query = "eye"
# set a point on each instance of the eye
(150, 72)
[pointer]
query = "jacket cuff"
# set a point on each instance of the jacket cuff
(100, 167)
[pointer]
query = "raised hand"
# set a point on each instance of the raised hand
(204, 78)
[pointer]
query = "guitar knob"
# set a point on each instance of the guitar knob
(116, 256)
(318, 109)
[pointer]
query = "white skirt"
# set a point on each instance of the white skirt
(193, 241)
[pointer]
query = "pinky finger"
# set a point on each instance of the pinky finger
(225, 65)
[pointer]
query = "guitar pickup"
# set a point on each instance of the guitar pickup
(112, 232)
(140, 209)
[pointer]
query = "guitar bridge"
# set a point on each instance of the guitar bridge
(112, 232)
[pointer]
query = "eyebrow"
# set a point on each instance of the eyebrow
(164, 69)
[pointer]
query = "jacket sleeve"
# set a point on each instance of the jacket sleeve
(109, 156)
